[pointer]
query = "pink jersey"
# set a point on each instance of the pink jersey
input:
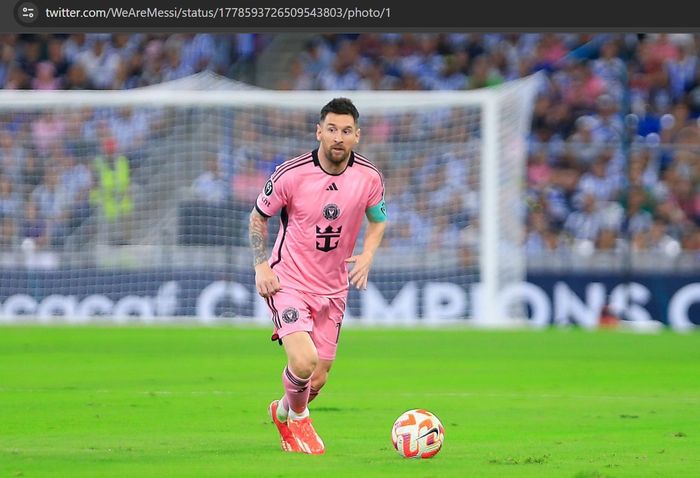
(321, 216)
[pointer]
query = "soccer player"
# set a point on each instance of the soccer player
(322, 197)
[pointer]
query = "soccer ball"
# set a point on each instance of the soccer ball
(417, 433)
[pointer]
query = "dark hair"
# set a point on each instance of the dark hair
(340, 106)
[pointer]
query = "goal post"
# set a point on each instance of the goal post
(507, 116)
(172, 244)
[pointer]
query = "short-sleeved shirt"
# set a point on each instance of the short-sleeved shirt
(321, 216)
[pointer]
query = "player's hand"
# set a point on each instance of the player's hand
(266, 281)
(360, 271)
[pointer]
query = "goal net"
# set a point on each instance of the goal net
(133, 205)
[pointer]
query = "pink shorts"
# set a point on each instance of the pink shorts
(322, 317)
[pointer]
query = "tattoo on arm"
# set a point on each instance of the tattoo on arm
(257, 235)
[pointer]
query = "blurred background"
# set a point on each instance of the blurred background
(611, 191)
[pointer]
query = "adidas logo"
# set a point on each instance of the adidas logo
(332, 187)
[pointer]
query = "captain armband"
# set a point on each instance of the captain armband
(377, 213)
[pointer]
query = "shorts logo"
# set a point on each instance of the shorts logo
(268, 187)
(331, 212)
(290, 315)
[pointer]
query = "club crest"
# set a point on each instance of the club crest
(290, 315)
(331, 212)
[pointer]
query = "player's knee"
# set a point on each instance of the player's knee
(303, 366)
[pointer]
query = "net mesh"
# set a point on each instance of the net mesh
(135, 204)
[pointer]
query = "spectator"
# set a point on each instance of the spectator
(45, 78)
(610, 67)
(7, 59)
(48, 131)
(100, 62)
(660, 240)
(537, 227)
(74, 45)
(173, 67)
(211, 186)
(598, 182)
(77, 79)
(538, 170)
(482, 74)
(12, 157)
(298, 78)
(112, 194)
(30, 55)
(638, 206)
(343, 73)
(53, 202)
(608, 240)
(33, 226)
(130, 128)
(55, 54)
(10, 211)
(585, 222)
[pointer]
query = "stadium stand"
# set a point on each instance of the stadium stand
(614, 152)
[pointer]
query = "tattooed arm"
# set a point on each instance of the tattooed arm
(266, 281)
(257, 235)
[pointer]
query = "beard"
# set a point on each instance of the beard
(336, 156)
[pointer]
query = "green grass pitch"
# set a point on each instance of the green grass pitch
(190, 401)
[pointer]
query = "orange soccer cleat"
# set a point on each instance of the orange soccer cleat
(306, 437)
(287, 440)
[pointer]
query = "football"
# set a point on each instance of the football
(417, 433)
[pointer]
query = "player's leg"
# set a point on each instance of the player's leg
(319, 377)
(302, 359)
(292, 321)
(325, 335)
(302, 362)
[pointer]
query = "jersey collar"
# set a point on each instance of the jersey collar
(317, 163)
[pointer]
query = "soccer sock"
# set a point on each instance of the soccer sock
(296, 391)
(313, 393)
(297, 416)
(282, 409)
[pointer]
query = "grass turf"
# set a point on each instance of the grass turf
(175, 401)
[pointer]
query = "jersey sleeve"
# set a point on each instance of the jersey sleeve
(376, 191)
(273, 197)
(376, 207)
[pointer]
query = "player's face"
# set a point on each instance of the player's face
(338, 134)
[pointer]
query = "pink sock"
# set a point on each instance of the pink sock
(296, 391)
(284, 406)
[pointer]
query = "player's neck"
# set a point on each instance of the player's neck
(331, 167)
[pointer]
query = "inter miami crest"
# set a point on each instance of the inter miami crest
(331, 212)
(290, 315)
(268, 187)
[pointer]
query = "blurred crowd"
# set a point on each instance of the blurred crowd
(101, 61)
(52, 179)
(614, 151)
(613, 155)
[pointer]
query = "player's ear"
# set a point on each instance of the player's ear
(357, 135)
(318, 131)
